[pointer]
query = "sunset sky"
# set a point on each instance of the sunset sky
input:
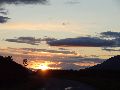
(61, 34)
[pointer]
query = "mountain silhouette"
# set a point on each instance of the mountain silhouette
(112, 63)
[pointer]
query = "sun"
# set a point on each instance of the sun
(43, 67)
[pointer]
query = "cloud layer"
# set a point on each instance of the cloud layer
(83, 41)
(22, 1)
(109, 39)
(30, 40)
(50, 51)
(38, 56)
(27, 40)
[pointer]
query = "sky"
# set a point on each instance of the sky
(60, 34)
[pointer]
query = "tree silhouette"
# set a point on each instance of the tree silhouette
(25, 62)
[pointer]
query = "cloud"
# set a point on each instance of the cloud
(3, 11)
(34, 50)
(66, 66)
(76, 62)
(22, 1)
(3, 19)
(78, 59)
(105, 39)
(30, 40)
(49, 51)
(72, 2)
(84, 41)
(87, 41)
(27, 40)
(63, 49)
(111, 49)
(69, 63)
(110, 34)
(64, 61)
(48, 39)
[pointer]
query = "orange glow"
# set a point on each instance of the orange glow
(43, 67)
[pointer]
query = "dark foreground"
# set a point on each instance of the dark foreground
(16, 77)
(65, 80)
(95, 80)
(64, 84)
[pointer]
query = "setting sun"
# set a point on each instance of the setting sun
(43, 67)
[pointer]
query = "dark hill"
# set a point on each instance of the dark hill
(11, 72)
(112, 63)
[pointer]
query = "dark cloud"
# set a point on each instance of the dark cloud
(110, 34)
(23, 1)
(88, 41)
(27, 40)
(3, 19)
(48, 39)
(84, 41)
(30, 40)
(105, 39)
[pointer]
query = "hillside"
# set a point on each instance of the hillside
(11, 73)
(112, 63)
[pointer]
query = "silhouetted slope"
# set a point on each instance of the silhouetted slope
(111, 64)
(11, 72)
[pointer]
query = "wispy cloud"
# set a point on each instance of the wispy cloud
(72, 2)
(111, 49)
(23, 1)
(3, 11)
(27, 40)
(30, 40)
(59, 59)
(50, 51)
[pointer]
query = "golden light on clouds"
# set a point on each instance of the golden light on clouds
(86, 64)
(41, 64)
(43, 67)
